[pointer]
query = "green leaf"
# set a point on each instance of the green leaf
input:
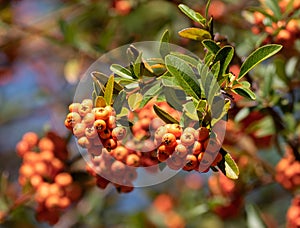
(134, 101)
(257, 57)
(132, 53)
(193, 61)
(224, 55)
(280, 70)
(224, 107)
(274, 6)
(119, 101)
(166, 117)
(169, 82)
(228, 166)
(215, 69)
(150, 93)
(191, 111)
(254, 218)
(172, 97)
(164, 46)
(194, 34)
(100, 102)
(138, 65)
(195, 16)
(211, 46)
(103, 78)
(109, 89)
(245, 92)
(121, 71)
(184, 75)
(207, 8)
(208, 83)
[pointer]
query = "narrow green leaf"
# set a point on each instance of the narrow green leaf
(103, 78)
(100, 102)
(254, 218)
(184, 75)
(193, 61)
(207, 8)
(109, 89)
(224, 55)
(257, 57)
(228, 166)
(134, 101)
(166, 117)
(119, 101)
(211, 46)
(164, 46)
(194, 34)
(121, 71)
(195, 16)
(137, 66)
(280, 70)
(245, 92)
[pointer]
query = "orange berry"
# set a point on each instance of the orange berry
(90, 132)
(174, 129)
(31, 138)
(102, 182)
(64, 202)
(79, 130)
(169, 140)
(133, 160)
(74, 107)
(118, 133)
(89, 119)
(180, 151)
(100, 125)
(46, 144)
(197, 148)
(217, 160)
(52, 201)
(84, 109)
(187, 139)
(111, 122)
(36, 180)
(203, 134)
(101, 114)
(26, 170)
(72, 119)
(55, 189)
(87, 102)
(46, 155)
(40, 168)
(22, 147)
(120, 153)
(191, 162)
(63, 179)
(84, 142)
(106, 134)
(110, 144)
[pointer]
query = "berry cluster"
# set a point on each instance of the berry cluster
(189, 148)
(45, 173)
(288, 171)
(95, 128)
(293, 213)
(282, 32)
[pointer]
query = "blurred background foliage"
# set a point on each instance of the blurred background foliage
(45, 48)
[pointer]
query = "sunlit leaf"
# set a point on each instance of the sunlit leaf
(121, 71)
(228, 166)
(134, 101)
(257, 57)
(109, 89)
(224, 55)
(195, 16)
(100, 102)
(195, 34)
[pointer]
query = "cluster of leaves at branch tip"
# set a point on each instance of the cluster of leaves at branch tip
(187, 83)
